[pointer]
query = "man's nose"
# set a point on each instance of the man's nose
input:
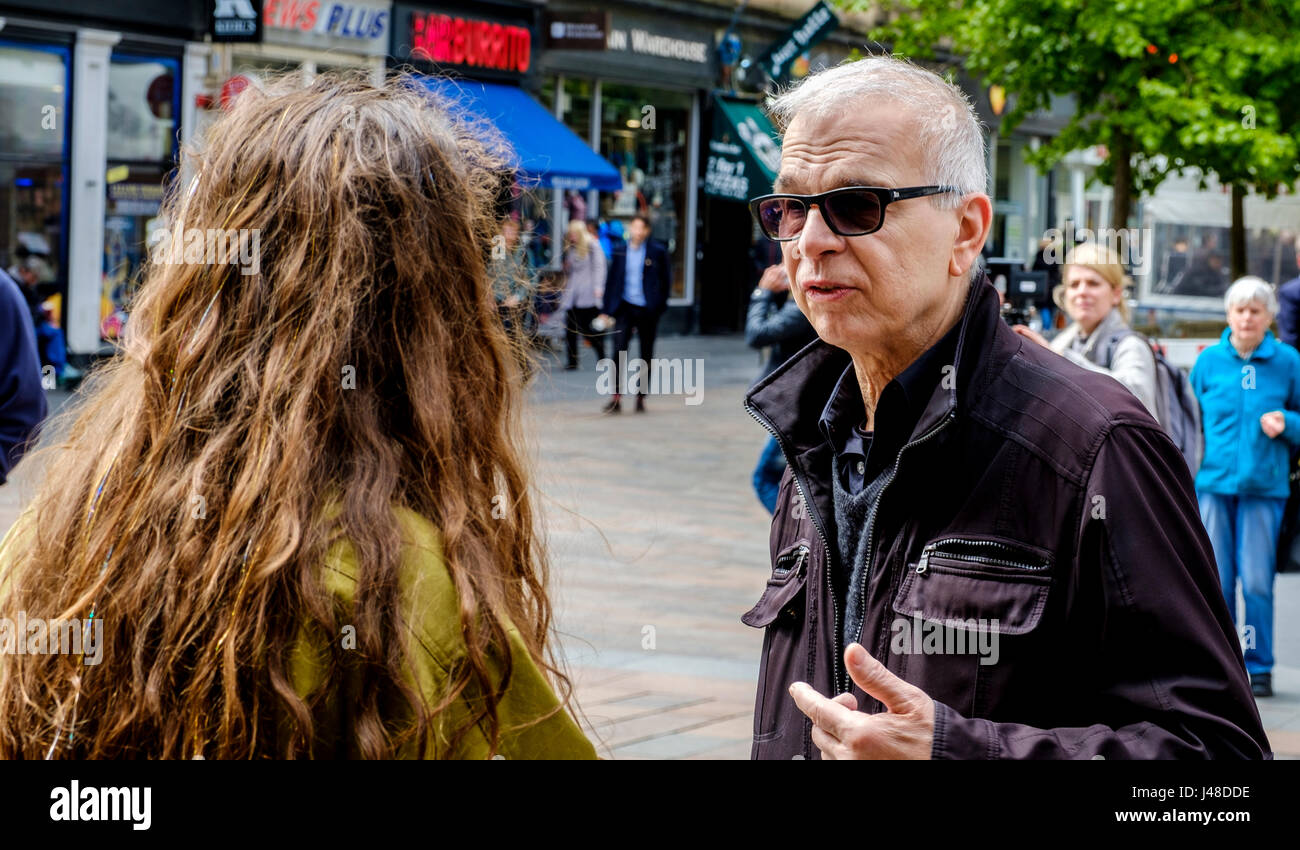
(817, 238)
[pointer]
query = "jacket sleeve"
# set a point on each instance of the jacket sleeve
(606, 300)
(598, 265)
(1164, 676)
(665, 279)
(22, 398)
(767, 326)
(1133, 365)
(533, 724)
(1291, 433)
(1286, 314)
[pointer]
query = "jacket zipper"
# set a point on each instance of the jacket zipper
(812, 514)
(924, 563)
(800, 554)
(871, 526)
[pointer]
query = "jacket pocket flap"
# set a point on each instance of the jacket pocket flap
(973, 602)
(779, 594)
(787, 582)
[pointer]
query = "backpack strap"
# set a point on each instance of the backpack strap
(1113, 342)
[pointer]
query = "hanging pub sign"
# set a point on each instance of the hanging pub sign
(235, 20)
(817, 23)
(744, 151)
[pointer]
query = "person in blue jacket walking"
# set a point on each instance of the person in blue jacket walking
(1249, 389)
(22, 398)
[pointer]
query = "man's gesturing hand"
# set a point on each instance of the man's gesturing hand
(840, 731)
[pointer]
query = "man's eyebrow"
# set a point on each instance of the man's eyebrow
(836, 180)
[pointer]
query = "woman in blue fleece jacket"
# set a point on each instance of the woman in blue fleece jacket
(1249, 389)
(22, 400)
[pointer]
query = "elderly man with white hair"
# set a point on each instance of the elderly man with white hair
(980, 549)
(1249, 389)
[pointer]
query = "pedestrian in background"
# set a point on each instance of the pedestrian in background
(1288, 301)
(296, 501)
(22, 398)
(1099, 337)
(584, 290)
(1046, 261)
(1249, 388)
(774, 321)
(513, 275)
(637, 286)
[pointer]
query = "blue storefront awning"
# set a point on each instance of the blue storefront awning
(545, 152)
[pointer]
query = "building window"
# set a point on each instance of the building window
(33, 167)
(143, 102)
(643, 134)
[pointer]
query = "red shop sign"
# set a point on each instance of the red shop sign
(452, 40)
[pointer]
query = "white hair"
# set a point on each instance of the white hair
(1248, 289)
(946, 126)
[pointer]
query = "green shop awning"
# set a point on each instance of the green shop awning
(744, 151)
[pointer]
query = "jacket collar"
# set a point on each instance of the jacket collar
(790, 400)
(1267, 347)
(1111, 324)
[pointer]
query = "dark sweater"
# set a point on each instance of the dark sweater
(856, 496)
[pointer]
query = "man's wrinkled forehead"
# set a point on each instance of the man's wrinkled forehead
(871, 147)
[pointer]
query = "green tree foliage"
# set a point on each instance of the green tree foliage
(1162, 84)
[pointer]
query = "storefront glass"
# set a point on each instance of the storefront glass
(644, 134)
(33, 92)
(142, 109)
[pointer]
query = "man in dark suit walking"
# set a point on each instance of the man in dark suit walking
(637, 285)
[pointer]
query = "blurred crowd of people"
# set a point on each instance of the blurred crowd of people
(615, 282)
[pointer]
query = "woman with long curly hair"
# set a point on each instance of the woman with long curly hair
(294, 502)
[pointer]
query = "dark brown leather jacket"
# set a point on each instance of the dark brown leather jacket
(1032, 494)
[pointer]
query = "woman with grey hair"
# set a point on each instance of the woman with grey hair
(1249, 389)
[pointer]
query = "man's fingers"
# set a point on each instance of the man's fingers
(825, 713)
(825, 742)
(873, 677)
(849, 701)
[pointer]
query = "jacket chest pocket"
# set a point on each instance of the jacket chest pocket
(781, 612)
(966, 612)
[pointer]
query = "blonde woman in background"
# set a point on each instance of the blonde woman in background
(584, 264)
(1099, 337)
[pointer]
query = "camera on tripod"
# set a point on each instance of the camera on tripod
(1024, 289)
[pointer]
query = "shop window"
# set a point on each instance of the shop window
(31, 203)
(33, 168)
(31, 102)
(141, 109)
(644, 135)
(143, 101)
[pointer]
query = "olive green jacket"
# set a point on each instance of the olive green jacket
(432, 614)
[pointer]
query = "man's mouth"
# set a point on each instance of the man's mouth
(825, 290)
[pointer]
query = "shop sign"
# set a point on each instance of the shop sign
(358, 26)
(577, 30)
(236, 20)
(455, 40)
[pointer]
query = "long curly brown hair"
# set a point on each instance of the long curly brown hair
(252, 421)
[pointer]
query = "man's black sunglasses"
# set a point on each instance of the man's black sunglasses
(849, 211)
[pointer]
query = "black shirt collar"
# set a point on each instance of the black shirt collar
(901, 402)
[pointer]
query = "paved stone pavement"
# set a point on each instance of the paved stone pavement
(659, 545)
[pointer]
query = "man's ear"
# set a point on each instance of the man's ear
(976, 216)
